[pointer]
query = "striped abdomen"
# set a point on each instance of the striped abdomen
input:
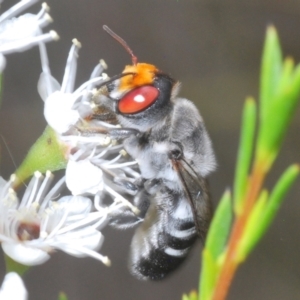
(165, 237)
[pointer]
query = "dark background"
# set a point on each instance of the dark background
(214, 48)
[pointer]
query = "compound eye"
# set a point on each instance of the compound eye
(138, 99)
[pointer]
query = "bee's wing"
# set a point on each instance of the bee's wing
(196, 191)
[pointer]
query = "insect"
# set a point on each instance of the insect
(167, 137)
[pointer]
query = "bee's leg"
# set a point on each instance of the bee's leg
(122, 133)
(126, 185)
(124, 217)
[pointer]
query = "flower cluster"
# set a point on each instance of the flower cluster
(97, 166)
(91, 154)
(36, 225)
(18, 34)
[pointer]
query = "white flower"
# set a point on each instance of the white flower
(64, 106)
(24, 32)
(91, 153)
(13, 288)
(106, 169)
(34, 227)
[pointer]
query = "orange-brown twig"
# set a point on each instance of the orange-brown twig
(231, 263)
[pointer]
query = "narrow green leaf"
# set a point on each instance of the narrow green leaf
(48, 153)
(244, 153)
(191, 296)
(277, 196)
(266, 211)
(270, 68)
(296, 75)
(220, 227)
(286, 73)
(275, 124)
(62, 296)
(280, 95)
(214, 246)
(209, 275)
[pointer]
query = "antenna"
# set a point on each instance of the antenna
(122, 42)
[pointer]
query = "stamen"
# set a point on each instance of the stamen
(70, 70)
(38, 177)
(92, 217)
(96, 73)
(7, 187)
(46, 69)
(28, 192)
(104, 259)
(27, 43)
(16, 9)
(44, 187)
(92, 82)
(43, 232)
(51, 194)
(102, 153)
(45, 9)
(119, 198)
(98, 70)
(60, 223)
(130, 163)
(99, 139)
(131, 172)
(45, 20)
(109, 162)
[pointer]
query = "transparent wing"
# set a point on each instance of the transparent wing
(196, 191)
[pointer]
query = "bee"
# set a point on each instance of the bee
(166, 135)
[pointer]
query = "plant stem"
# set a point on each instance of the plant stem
(231, 260)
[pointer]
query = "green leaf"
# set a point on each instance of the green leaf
(276, 198)
(48, 153)
(244, 153)
(62, 296)
(270, 68)
(214, 246)
(286, 73)
(220, 227)
(192, 296)
(279, 97)
(209, 275)
(264, 211)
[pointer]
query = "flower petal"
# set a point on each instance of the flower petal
(13, 288)
(59, 113)
(28, 256)
(88, 238)
(76, 204)
(83, 177)
(2, 63)
(47, 85)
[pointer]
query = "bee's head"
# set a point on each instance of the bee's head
(141, 93)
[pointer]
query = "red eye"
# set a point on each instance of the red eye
(138, 99)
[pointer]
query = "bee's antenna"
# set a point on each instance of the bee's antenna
(122, 42)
